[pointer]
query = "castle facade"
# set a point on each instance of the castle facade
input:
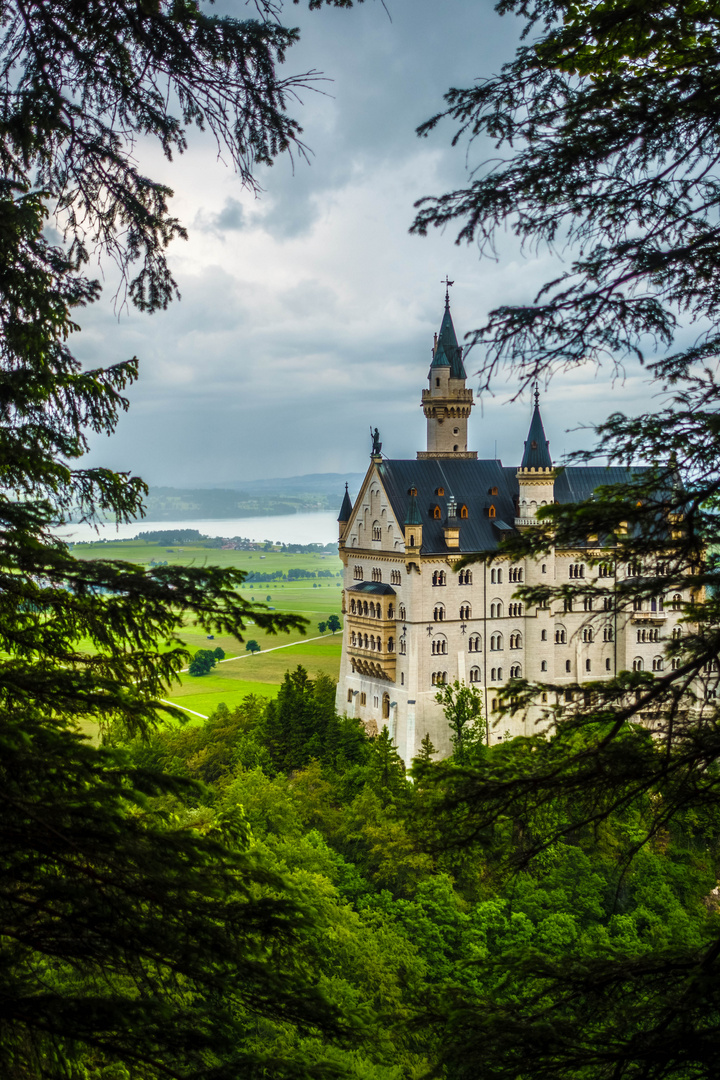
(413, 622)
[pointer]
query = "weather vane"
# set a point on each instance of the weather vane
(447, 283)
(537, 396)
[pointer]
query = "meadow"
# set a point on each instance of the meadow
(241, 672)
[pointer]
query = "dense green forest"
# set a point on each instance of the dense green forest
(411, 933)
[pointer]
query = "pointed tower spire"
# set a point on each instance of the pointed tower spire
(537, 447)
(346, 508)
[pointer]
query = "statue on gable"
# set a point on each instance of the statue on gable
(376, 444)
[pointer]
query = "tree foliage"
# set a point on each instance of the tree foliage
(607, 146)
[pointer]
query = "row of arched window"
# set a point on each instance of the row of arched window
(638, 663)
(440, 577)
(369, 610)
(439, 646)
(370, 642)
(653, 634)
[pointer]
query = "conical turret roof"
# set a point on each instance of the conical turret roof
(346, 508)
(537, 447)
(447, 351)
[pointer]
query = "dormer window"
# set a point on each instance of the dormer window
(437, 513)
(440, 491)
(491, 512)
(492, 491)
(463, 511)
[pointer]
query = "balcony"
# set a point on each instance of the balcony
(372, 662)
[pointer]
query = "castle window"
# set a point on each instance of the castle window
(353, 639)
(657, 663)
(637, 664)
(677, 633)
(587, 603)
(543, 635)
(577, 570)
(676, 603)
(465, 577)
(352, 607)
(515, 610)
(401, 613)
(491, 512)
(607, 633)
(543, 665)
(515, 573)
(516, 640)
(492, 491)
(607, 603)
(395, 578)
(412, 540)
(437, 382)
(567, 667)
(436, 512)
(637, 604)
(390, 611)
(543, 568)
(604, 570)
(475, 675)
(358, 573)
(463, 511)
(607, 663)
(496, 610)
(440, 491)
(568, 603)
(439, 613)
(372, 609)
(516, 671)
(402, 678)
(587, 665)
(456, 447)
(363, 698)
(465, 612)
(365, 608)
(474, 643)
(350, 695)
(675, 663)
(376, 531)
(439, 678)
(377, 573)
(438, 577)
(496, 642)
(391, 644)
(439, 646)
(402, 646)
(587, 634)
(386, 706)
(560, 636)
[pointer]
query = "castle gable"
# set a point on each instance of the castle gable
(373, 524)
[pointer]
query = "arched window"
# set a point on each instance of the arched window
(491, 512)
(372, 609)
(376, 531)
(543, 665)
(353, 639)
(401, 613)
(587, 634)
(576, 570)
(637, 604)
(637, 664)
(474, 644)
(352, 607)
(515, 573)
(358, 573)
(676, 602)
(543, 635)
(386, 706)
(440, 491)
(365, 608)
(390, 613)
(516, 671)
(677, 633)
(607, 603)
(515, 610)
(438, 577)
(675, 663)
(377, 574)
(439, 613)
(436, 512)
(587, 603)
(403, 647)
(372, 641)
(366, 639)
(493, 576)
(496, 610)
(465, 577)
(439, 646)
(587, 665)
(560, 635)
(657, 663)
(568, 668)
(474, 674)
(391, 644)
(516, 640)
(607, 663)
(463, 511)
(464, 612)
(496, 642)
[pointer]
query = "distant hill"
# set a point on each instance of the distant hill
(255, 498)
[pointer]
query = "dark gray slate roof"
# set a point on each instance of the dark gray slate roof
(471, 482)
(374, 587)
(346, 508)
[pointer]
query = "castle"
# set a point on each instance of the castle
(412, 622)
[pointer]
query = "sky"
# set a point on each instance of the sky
(308, 311)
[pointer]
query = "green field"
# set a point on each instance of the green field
(242, 673)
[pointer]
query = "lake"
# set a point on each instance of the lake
(319, 528)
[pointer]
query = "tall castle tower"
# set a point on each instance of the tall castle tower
(447, 403)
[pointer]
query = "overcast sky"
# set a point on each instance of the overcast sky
(308, 314)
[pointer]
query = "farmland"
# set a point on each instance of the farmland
(242, 673)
